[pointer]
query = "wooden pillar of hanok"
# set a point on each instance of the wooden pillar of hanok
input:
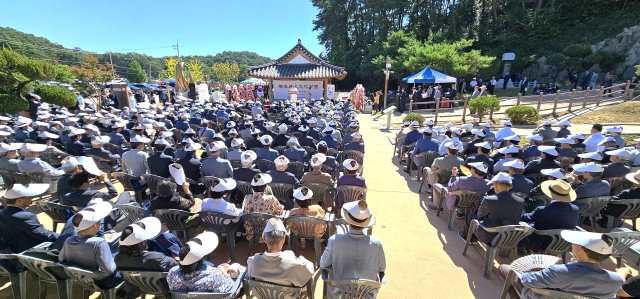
(270, 96)
(327, 81)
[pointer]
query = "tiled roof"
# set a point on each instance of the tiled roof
(316, 70)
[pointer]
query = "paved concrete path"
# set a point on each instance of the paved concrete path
(424, 258)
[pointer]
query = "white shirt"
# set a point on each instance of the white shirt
(500, 165)
(220, 206)
(592, 142)
(635, 157)
(493, 82)
(443, 149)
(504, 132)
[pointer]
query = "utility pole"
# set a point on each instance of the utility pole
(386, 81)
(177, 47)
(149, 73)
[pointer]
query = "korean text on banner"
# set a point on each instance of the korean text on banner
(281, 89)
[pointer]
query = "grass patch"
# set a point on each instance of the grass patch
(628, 112)
(629, 138)
(506, 93)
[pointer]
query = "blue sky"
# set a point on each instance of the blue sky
(269, 28)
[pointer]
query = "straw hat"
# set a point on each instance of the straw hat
(558, 190)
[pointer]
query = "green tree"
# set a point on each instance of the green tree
(17, 72)
(92, 76)
(226, 72)
(170, 71)
(56, 95)
(62, 73)
(196, 69)
(455, 58)
(135, 74)
(17, 76)
(484, 105)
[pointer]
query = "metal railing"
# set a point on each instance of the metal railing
(545, 104)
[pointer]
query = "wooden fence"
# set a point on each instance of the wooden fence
(545, 104)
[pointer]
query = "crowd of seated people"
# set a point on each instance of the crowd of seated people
(182, 143)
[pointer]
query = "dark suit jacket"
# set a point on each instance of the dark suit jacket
(306, 141)
(21, 230)
(556, 215)
(81, 198)
(331, 162)
(498, 210)
(314, 133)
(245, 174)
(191, 167)
(536, 166)
(280, 140)
(254, 143)
(480, 158)
(102, 153)
(615, 170)
(75, 148)
(283, 177)
(159, 164)
(470, 148)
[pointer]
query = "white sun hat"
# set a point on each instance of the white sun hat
(274, 224)
(200, 246)
(619, 152)
(281, 161)
(93, 214)
(30, 190)
(555, 172)
(515, 163)
(357, 213)
(501, 177)
(261, 179)
(534, 137)
(302, 193)
(592, 241)
(33, 147)
(248, 156)
(351, 164)
(588, 167)
(140, 139)
(142, 230)
(548, 149)
(221, 185)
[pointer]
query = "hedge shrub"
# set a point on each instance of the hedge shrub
(522, 114)
(482, 106)
(56, 95)
(12, 104)
(414, 116)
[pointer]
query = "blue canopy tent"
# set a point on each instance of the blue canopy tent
(429, 76)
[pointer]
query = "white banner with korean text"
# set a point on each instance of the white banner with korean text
(282, 87)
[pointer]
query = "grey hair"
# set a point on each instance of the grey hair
(69, 169)
(319, 167)
(623, 159)
(538, 142)
(281, 167)
(273, 237)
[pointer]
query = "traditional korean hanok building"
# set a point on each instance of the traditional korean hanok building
(299, 68)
